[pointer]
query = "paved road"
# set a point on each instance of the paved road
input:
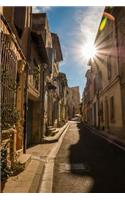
(88, 163)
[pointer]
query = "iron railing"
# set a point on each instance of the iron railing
(8, 81)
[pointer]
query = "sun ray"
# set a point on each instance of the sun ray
(88, 51)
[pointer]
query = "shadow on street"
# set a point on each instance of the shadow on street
(103, 161)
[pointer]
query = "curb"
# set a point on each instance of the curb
(33, 185)
(52, 139)
(42, 168)
(34, 188)
(110, 138)
(47, 178)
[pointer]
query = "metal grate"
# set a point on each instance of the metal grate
(8, 80)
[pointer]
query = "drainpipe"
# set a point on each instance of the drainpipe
(42, 102)
(98, 109)
(25, 108)
(98, 99)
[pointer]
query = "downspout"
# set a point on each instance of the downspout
(28, 54)
(98, 102)
(42, 94)
(98, 99)
(25, 108)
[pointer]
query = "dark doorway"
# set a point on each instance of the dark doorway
(29, 122)
(107, 113)
(95, 114)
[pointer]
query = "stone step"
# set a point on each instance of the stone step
(52, 132)
(51, 128)
(24, 159)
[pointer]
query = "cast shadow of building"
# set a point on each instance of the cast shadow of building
(100, 160)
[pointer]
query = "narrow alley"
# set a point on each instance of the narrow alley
(62, 84)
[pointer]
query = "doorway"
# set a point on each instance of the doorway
(107, 113)
(29, 122)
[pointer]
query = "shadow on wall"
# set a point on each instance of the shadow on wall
(102, 162)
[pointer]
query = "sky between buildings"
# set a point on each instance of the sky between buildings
(77, 28)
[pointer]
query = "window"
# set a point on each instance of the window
(109, 68)
(112, 109)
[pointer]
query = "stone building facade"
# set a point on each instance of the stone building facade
(51, 80)
(30, 55)
(73, 101)
(119, 14)
(39, 67)
(103, 95)
(41, 27)
(63, 99)
(13, 70)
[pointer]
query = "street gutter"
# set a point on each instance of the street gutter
(47, 178)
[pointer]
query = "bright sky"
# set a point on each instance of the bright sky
(77, 28)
